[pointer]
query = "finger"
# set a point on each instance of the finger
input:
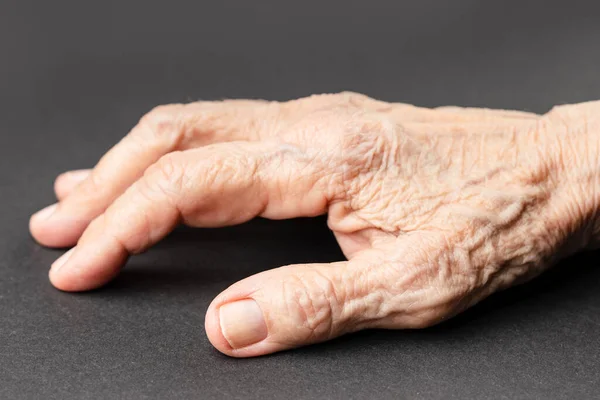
(67, 182)
(293, 306)
(165, 129)
(302, 304)
(391, 286)
(217, 185)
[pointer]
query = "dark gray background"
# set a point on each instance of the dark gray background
(76, 75)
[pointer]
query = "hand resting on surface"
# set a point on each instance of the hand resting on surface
(435, 209)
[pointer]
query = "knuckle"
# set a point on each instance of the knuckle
(220, 168)
(117, 223)
(164, 124)
(209, 120)
(227, 120)
(327, 100)
(363, 134)
(313, 302)
(352, 98)
(362, 150)
(167, 175)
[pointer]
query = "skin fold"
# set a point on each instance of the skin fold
(435, 209)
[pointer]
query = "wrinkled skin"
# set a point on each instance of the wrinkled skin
(435, 209)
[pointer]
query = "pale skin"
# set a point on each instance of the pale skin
(435, 209)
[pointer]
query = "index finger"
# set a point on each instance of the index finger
(219, 185)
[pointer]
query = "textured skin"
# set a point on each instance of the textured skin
(435, 209)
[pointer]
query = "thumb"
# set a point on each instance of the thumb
(292, 306)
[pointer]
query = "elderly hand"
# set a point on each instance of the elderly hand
(435, 209)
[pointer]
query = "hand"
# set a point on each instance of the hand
(435, 209)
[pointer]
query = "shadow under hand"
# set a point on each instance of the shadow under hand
(199, 259)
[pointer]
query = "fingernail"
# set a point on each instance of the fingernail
(242, 323)
(58, 264)
(45, 213)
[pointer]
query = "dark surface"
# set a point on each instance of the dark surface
(76, 75)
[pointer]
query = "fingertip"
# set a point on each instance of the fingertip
(52, 230)
(55, 278)
(216, 332)
(38, 218)
(85, 268)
